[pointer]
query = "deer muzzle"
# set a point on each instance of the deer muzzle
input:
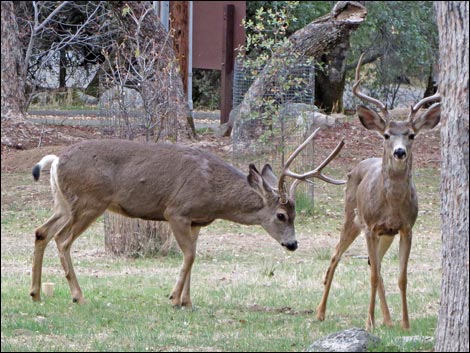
(291, 246)
(399, 153)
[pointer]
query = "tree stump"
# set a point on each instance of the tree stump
(133, 237)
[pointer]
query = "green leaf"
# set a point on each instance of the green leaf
(126, 10)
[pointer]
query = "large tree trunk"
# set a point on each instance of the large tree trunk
(13, 86)
(452, 327)
(312, 41)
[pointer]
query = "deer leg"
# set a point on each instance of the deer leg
(404, 254)
(373, 250)
(384, 244)
(44, 235)
(181, 228)
(349, 233)
(185, 296)
(77, 224)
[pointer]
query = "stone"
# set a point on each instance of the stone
(350, 340)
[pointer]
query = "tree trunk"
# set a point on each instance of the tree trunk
(137, 237)
(179, 24)
(431, 85)
(329, 83)
(62, 69)
(13, 87)
(452, 328)
(312, 41)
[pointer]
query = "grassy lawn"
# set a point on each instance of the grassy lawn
(249, 294)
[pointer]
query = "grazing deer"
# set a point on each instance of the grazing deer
(187, 187)
(381, 200)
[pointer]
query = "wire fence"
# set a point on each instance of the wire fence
(270, 135)
(305, 93)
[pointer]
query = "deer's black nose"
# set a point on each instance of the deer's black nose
(399, 153)
(290, 246)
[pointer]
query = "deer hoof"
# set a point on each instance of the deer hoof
(175, 302)
(320, 315)
(187, 304)
(370, 326)
(79, 300)
(36, 297)
(405, 326)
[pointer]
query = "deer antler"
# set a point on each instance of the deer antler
(315, 173)
(434, 98)
(357, 92)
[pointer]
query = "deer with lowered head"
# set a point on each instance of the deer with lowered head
(381, 200)
(187, 187)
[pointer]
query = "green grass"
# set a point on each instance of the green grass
(249, 294)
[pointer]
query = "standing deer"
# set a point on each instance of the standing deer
(187, 187)
(381, 200)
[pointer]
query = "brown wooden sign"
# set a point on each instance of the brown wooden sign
(208, 32)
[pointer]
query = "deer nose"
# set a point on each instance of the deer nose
(290, 246)
(399, 153)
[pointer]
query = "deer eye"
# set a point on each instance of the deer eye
(386, 136)
(411, 136)
(281, 217)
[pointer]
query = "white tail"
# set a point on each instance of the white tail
(381, 199)
(45, 161)
(187, 187)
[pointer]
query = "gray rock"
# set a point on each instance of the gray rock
(226, 128)
(87, 99)
(114, 99)
(350, 340)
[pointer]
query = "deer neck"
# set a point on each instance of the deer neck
(397, 177)
(242, 205)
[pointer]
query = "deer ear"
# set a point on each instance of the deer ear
(429, 118)
(257, 182)
(268, 176)
(370, 119)
(254, 177)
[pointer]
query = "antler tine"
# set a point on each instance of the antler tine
(294, 186)
(285, 170)
(357, 91)
(434, 98)
(317, 172)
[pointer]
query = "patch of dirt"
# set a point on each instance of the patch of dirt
(23, 143)
(361, 143)
(20, 134)
(285, 310)
(20, 141)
